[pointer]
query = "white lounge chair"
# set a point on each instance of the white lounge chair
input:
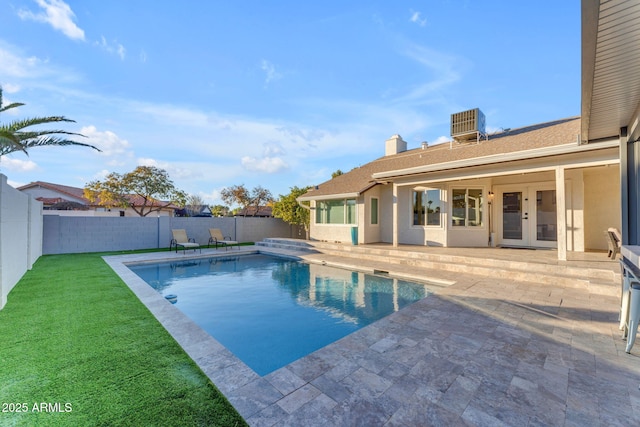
(217, 238)
(180, 239)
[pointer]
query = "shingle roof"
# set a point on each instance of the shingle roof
(542, 135)
(263, 211)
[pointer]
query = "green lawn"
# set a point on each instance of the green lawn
(73, 334)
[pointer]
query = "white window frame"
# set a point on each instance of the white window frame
(483, 209)
(425, 225)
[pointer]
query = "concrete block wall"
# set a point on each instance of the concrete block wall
(62, 234)
(20, 236)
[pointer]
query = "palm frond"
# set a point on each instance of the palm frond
(13, 137)
(18, 125)
(44, 141)
(25, 136)
(8, 140)
(10, 106)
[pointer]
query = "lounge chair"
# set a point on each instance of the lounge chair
(218, 239)
(180, 239)
(614, 239)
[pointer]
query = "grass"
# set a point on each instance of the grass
(73, 334)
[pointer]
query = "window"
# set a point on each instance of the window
(339, 211)
(467, 207)
(426, 207)
(374, 211)
(418, 208)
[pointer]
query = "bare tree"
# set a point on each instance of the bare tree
(194, 205)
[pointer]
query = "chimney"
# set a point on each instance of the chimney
(394, 145)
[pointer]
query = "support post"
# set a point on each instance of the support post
(561, 213)
(395, 215)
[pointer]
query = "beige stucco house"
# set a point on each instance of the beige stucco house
(537, 186)
(65, 200)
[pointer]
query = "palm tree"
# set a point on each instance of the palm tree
(15, 137)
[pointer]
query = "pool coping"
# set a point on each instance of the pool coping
(246, 390)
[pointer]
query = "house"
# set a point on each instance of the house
(260, 211)
(538, 186)
(65, 200)
(611, 100)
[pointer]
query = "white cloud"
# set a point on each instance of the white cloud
(416, 18)
(10, 88)
(446, 70)
(107, 141)
(101, 175)
(270, 162)
(15, 184)
(265, 164)
(17, 165)
(270, 72)
(212, 197)
(114, 48)
(441, 140)
(174, 171)
(14, 66)
(272, 149)
(111, 145)
(58, 14)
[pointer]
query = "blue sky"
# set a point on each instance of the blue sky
(277, 93)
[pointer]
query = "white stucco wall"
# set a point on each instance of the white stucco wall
(409, 234)
(588, 194)
(386, 213)
(574, 194)
(330, 232)
(602, 203)
(477, 236)
(20, 236)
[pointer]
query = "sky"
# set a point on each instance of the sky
(274, 94)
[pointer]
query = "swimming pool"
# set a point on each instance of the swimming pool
(270, 311)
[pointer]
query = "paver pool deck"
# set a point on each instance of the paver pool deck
(483, 351)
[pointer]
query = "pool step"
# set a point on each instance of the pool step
(289, 244)
(523, 271)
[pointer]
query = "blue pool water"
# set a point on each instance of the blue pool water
(270, 311)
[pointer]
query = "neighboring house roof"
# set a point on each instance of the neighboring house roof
(538, 140)
(77, 194)
(263, 211)
(50, 200)
(66, 205)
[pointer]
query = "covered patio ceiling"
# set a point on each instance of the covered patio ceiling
(610, 67)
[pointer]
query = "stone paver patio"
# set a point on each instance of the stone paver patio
(483, 351)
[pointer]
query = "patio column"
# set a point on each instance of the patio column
(561, 213)
(395, 215)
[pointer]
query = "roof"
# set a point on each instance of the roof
(263, 211)
(77, 193)
(534, 140)
(610, 63)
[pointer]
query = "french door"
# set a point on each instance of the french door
(526, 216)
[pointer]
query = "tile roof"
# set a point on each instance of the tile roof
(75, 192)
(542, 135)
(78, 193)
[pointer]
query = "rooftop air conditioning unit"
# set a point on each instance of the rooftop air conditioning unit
(468, 125)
